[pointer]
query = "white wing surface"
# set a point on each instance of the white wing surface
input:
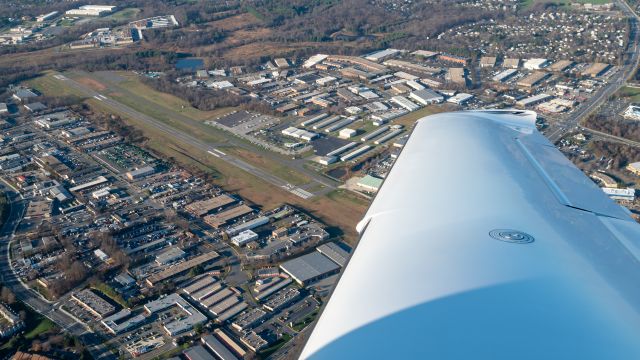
(485, 242)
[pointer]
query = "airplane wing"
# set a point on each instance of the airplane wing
(485, 242)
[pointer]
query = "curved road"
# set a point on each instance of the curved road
(28, 296)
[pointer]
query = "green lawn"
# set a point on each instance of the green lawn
(124, 14)
(632, 93)
(44, 326)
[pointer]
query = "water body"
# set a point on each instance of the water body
(192, 64)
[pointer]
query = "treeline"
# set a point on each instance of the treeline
(202, 99)
(606, 124)
(621, 154)
(16, 68)
(184, 37)
(111, 122)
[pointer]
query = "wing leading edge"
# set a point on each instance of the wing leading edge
(485, 242)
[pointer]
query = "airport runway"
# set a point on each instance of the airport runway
(206, 147)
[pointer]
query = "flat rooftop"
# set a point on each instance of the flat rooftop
(309, 267)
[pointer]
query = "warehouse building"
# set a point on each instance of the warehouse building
(226, 216)
(217, 348)
(405, 103)
(533, 100)
(561, 65)
(181, 268)
(628, 194)
(370, 183)
(382, 55)
(169, 256)
(533, 79)
(92, 10)
(535, 64)
(487, 61)
(181, 324)
(310, 268)
(504, 75)
(198, 353)
(634, 168)
(426, 97)
(140, 173)
(122, 321)
(96, 305)
(334, 252)
(244, 238)
(511, 63)
(596, 69)
(203, 207)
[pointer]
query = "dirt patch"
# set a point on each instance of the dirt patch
(235, 22)
(93, 84)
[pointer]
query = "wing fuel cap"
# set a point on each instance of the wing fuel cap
(511, 236)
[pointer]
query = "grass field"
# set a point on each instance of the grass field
(47, 85)
(632, 93)
(36, 325)
(411, 118)
(124, 14)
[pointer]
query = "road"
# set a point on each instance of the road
(28, 296)
(618, 80)
(318, 179)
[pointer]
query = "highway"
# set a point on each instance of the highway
(30, 297)
(632, 58)
(209, 148)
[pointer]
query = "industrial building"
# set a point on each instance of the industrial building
(244, 238)
(382, 55)
(248, 319)
(181, 324)
(140, 173)
(370, 183)
(170, 256)
(122, 321)
(405, 103)
(299, 133)
(628, 194)
(634, 168)
(181, 268)
(10, 323)
(561, 65)
(217, 348)
(93, 303)
(533, 79)
(281, 299)
(460, 98)
(487, 61)
(47, 16)
(91, 10)
(334, 252)
(511, 63)
(535, 64)
(219, 300)
(224, 217)
(596, 69)
(504, 75)
(426, 97)
(204, 207)
(533, 100)
(632, 112)
(457, 76)
(198, 353)
(310, 268)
